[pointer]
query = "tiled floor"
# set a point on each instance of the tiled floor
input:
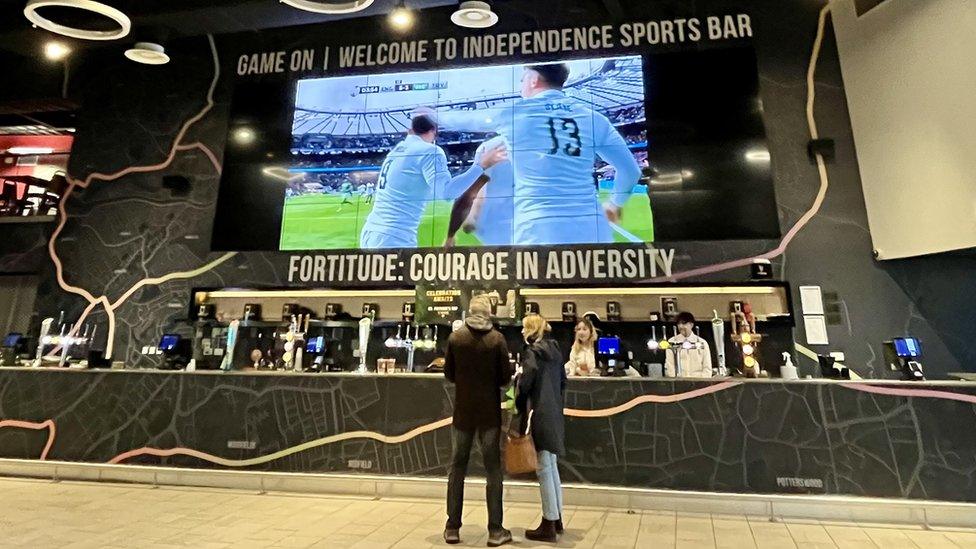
(41, 514)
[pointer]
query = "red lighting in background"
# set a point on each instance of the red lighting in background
(41, 166)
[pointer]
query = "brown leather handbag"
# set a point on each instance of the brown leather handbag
(520, 456)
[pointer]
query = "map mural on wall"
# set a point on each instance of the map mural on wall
(129, 249)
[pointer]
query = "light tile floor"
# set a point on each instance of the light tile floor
(42, 514)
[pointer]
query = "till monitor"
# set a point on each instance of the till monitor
(12, 339)
(169, 342)
(608, 346)
(908, 347)
(315, 345)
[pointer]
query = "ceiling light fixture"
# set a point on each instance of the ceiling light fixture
(474, 15)
(56, 51)
(147, 53)
(757, 155)
(347, 6)
(244, 136)
(401, 17)
(125, 25)
(29, 150)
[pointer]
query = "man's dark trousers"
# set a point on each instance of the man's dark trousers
(488, 441)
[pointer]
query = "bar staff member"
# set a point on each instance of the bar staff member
(582, 357)
(689, 355)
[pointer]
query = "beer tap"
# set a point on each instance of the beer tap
(411, 345)
(43, 339)
(226, 363)
(718, 335)
(365, 326)
(395, 342)
(653, 344)
(66, 342)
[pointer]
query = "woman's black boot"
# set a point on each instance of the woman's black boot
(545, 532)
(559, 525)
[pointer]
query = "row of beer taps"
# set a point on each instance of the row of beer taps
(426, 343)
(64, 337)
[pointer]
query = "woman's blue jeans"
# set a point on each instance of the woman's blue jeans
(550, 486)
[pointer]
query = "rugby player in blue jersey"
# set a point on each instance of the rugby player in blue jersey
(414, 173)
(554, 141)
(488, 210)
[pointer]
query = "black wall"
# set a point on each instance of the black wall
(120, 232)
(746, 437)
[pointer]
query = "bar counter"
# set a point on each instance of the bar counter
(871, 438)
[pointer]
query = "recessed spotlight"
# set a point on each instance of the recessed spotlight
(401, 17)
(56, 51)
(757, 155)
(30, 12)
(474, 15)
(341, 6)
(244, 136)
(147, 53)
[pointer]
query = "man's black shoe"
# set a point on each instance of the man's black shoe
(501, 537)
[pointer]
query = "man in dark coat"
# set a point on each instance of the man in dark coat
(476, 361)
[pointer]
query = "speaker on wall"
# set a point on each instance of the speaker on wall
(178, 185)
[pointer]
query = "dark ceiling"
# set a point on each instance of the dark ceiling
(36, 88)
(32, 94)
(165, 19)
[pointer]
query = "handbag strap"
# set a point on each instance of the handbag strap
(528, 426)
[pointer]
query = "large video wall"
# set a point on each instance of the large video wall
(566, 150)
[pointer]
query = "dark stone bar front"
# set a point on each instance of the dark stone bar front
(886, 439)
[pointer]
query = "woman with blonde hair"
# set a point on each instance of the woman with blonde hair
(541, 387)
(582, 357)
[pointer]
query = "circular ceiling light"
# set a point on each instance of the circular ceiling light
(340, 6)
(401, 18)
(474, 15)
(30, 12)
(147, 53)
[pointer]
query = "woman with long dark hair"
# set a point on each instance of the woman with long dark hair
(541, 387)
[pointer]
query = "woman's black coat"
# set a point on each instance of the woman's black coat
(541, 388)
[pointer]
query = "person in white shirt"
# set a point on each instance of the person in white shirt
(689, 355)
(414, 173)
(582, 357)
(368, 192)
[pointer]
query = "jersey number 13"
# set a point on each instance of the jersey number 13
(565, 133)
